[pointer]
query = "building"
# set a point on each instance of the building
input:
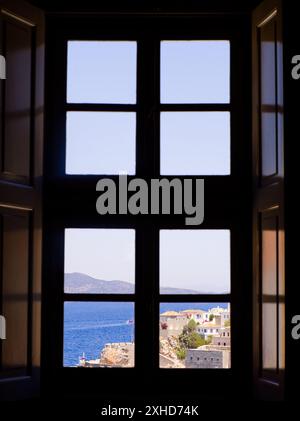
(208, 356)
(200, 316)
(209, 329)
(225, 317)
(223, 339)
(172, 323)
(215, 355)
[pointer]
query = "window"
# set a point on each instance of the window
(195, 142)
(101, 72)
(93, 138)
(190, 68)
(159, 277)
(195, 139)
(100, 142)
(186, 258)
(99, 262)
(98, 334)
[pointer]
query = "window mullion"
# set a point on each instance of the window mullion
(147, 155)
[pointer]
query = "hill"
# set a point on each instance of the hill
(79, 283)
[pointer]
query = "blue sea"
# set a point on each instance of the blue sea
(88, 326)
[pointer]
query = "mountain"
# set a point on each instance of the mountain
(79, 283)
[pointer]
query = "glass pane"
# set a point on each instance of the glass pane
(269, 290)
(194, 335)
(194, 261)
(98, 334)
(101, 72)
(269, 339)
(195, 143)
(100, 143)
(195, 72)
(268, 97)
(99, 261)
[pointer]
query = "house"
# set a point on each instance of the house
(200, 316)
(223, 339)
(172, 323)
(209, 329)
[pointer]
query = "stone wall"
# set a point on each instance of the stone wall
(205, 357)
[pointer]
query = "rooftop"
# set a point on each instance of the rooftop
(194, 311)
(172, 314)
(208, 324)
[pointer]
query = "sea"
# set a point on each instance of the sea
(88, 326)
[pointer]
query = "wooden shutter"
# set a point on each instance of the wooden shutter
(21, 146)
(268, 212)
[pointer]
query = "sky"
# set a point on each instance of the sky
(189, 259)
(192, 143)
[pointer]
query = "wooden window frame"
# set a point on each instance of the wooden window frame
(69, 201)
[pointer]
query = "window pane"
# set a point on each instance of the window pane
(194, 261)
(194, 335)
(195, 72)
(195, 143)
(269, 267)
(99, 334)
(100, 143)
(99, 261)
(101, 72)
(268, 98)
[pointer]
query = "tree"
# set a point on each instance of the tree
(181, 353)
(190, 340)
(192, 325)
(211, 317)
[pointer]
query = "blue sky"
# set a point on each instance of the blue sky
(191, 72)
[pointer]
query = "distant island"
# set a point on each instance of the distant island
(79, 283)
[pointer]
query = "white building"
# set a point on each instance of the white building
(209, 329)
(200, 316)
